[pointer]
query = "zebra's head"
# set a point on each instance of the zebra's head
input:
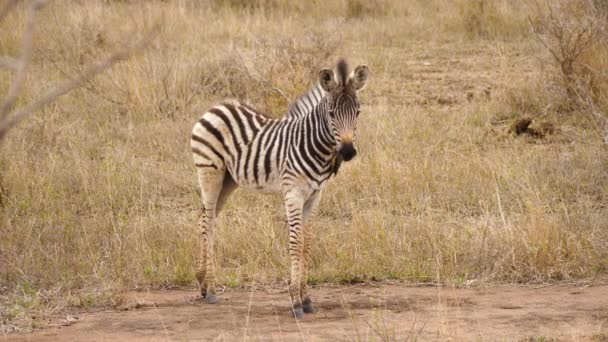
(343, 104)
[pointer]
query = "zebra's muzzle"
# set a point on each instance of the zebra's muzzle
(348, 151)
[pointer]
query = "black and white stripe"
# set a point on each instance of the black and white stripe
(259, 152)
(307, 102)
(235, 145)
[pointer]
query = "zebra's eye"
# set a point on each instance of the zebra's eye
(332, 113)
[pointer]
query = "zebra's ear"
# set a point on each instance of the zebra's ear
(358, 79)
(327, 80)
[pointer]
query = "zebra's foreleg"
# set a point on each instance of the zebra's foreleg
(293, 205)
(306, 301)
(310, 208)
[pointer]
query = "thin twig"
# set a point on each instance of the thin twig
(260, 79)
(67, 85)
(8, 6)
(23, 63)
(7, 62)
(90, 87)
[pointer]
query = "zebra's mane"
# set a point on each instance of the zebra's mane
(305, 103)
(342, 71)
(309, 100)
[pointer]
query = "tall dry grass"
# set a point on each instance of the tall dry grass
(98, 191)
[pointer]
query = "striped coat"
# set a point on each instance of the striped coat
(234, 145)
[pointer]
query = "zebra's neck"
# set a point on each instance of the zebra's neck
(307, 102)
(316, 136)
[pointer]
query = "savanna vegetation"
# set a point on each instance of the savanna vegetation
(482, 146)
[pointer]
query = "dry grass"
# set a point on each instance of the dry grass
(98, 191)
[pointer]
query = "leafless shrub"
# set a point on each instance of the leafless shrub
(9, 115)
(362, 8)
(274, 69)
(255, 5)
(566, 33)
(574, 34)
(474, 15)
(349, 9)
(488, 19)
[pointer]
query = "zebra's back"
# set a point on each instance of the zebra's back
(242, 141)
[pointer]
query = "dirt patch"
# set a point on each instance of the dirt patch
(386, 312)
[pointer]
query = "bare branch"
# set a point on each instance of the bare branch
(8, 6)
(87, 85)
(63, 88)
(7, 62)
(256, 77)
(23, 62)
(542, 40)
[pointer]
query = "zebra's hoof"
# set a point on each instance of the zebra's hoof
(211, 298)
(308, 308)
(298, 312)
(203, 293)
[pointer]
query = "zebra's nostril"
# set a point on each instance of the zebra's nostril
(348, 152)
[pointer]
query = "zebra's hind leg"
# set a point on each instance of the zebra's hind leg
(211, 181)
(201, 262)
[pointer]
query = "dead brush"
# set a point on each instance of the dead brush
(253, 5)
(362, 8)
(488, 19)
(275, 69)
(10, 111)
(574, 33)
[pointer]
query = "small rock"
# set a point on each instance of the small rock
(69, 320)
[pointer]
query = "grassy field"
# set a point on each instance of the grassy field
(99, 193)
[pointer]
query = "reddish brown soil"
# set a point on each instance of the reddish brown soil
(358, 312)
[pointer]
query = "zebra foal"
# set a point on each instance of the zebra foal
(233, 145)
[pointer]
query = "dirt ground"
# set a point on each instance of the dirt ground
(357, 312)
